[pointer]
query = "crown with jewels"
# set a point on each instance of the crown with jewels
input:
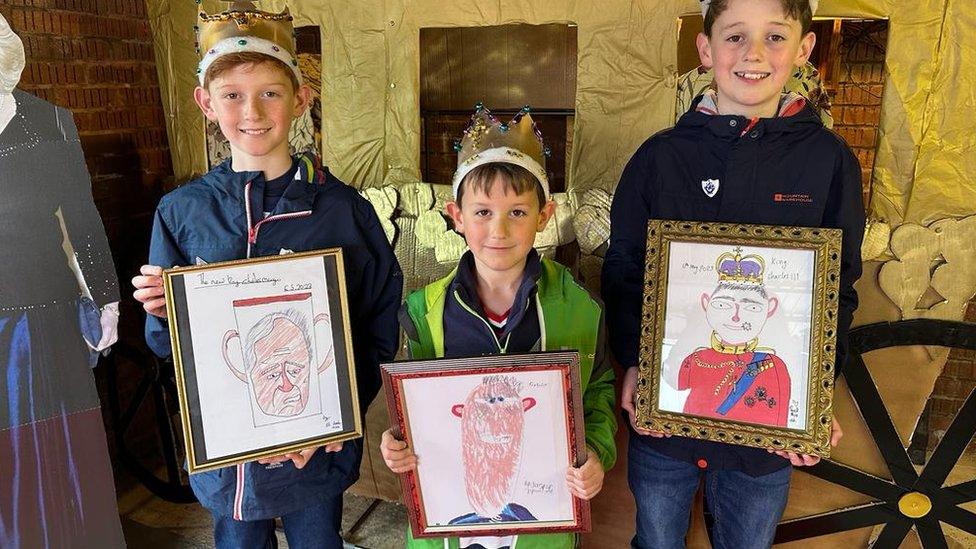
(488, 140)
(245, 28)
(706, 3)
(734, 267)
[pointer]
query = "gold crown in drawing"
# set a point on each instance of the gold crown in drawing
(245, 28)
(488, 140)
(734, 267)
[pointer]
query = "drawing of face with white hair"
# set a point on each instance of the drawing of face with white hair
(277, 353)
(11, 58)
(277, 359)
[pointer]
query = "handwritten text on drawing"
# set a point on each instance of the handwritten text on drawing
(532, 487)
(207, 280)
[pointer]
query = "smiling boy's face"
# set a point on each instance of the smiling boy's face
(500, 225)
(753, 50)
(254, 105)
(737, 315)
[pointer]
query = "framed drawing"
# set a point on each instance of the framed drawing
(263, 356)
(494, 437)
(739, 335)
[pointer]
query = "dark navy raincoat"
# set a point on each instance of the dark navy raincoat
(218, 218)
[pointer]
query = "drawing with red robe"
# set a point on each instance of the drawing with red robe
(733, 378)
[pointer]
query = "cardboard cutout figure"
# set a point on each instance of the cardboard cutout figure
(56, 486)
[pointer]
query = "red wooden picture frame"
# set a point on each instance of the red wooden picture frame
(514, 365)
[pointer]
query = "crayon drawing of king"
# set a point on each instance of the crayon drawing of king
(733, 378)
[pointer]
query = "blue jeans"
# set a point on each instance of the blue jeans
(745, 508)
(315, 527)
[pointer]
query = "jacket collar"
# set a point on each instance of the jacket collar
(299, 196)
(795, 114)
(300, 193)
(466, 284)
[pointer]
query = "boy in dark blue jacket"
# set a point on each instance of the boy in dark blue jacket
(265, 202)
(744, 153)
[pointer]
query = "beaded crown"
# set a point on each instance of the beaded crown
(245, 28)
(487, 139)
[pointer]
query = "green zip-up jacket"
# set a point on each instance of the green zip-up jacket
(569, 319)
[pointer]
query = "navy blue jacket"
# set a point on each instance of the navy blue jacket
(464, 335)
(783, 171)
(218, 218)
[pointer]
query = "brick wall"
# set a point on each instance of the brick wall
(952, 388)
(859, 86)
(95, 57)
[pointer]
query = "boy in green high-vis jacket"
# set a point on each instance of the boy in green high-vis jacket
(504, 298)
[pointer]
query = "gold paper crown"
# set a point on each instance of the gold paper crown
(488, 140)
(245, 28)
(734, 267)
(706, 3)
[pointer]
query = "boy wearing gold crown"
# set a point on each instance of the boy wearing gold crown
(744, 153)
(263, 202)
(734, 378)
(504, 298)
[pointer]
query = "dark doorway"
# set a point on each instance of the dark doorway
(504, 67)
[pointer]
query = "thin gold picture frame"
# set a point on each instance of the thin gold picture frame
(175, 311)
(826, 244)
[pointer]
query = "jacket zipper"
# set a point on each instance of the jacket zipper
(252, 230)
(503, 350)
(464, 306)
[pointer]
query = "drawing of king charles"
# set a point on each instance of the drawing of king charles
(733, 378)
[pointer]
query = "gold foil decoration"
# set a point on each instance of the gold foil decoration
(416, 198)
(937, 260)
(559, 230)
(876, 236)
(449, 248)
(592, 220)
(384, 201)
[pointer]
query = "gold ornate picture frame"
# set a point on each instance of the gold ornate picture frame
(739, 333)
(263, 356)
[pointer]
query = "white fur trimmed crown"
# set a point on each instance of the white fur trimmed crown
(244, 28)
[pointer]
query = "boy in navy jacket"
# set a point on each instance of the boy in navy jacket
(265, 202)
(744, 153)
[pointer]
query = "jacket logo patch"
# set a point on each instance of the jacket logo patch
(795, 198)
(710, 186)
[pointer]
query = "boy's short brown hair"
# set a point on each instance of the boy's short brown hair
(227, 62)
(517, 179)
(794, 9)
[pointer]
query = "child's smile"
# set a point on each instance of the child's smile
(753, 50)
(752, 75)
(500, 226)
(254, 104)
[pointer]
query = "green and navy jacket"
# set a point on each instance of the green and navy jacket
(551, 312)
